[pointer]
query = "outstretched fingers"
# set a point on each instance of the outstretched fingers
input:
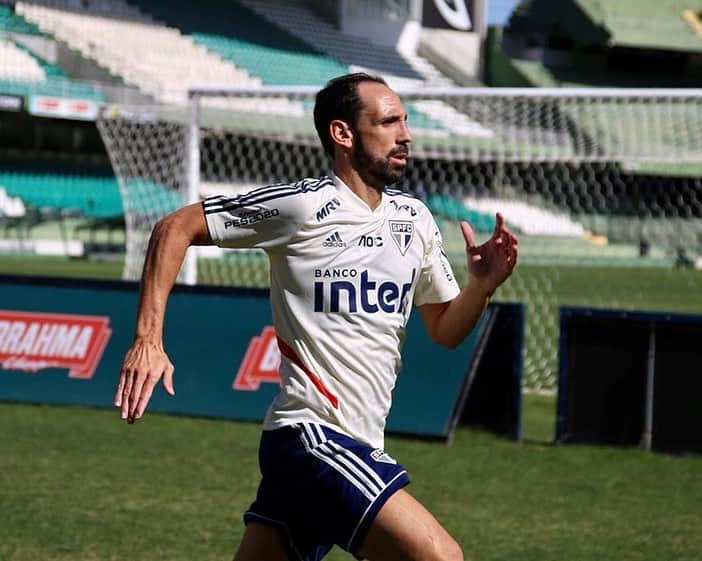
(139, 385)
(124, 392)
(511, 238)
(120, 389)
(142, 399)
(144, 365)
(168, 380)
(512, 246)
(468, 234)
(499, 226)
(510, 251)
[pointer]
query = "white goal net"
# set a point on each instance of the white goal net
(603, 187)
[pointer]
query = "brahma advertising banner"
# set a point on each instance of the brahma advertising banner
(63, 341)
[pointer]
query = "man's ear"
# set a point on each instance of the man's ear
(341, 133)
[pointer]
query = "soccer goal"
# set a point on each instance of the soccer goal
(603, 187)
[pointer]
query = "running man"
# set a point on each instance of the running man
(349, 257)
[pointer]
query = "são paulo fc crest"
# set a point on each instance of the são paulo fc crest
(402, 232)
(382, 456)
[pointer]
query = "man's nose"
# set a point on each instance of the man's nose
(405, 137)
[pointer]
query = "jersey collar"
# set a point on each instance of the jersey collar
(357, 202)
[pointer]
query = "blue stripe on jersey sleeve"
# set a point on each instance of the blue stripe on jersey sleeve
(220, 203)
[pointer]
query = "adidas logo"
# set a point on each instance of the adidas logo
(334, 241)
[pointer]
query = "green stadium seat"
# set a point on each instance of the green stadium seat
(12, 23)
(144, 196)
(89, 196)
(57, 82)
(239, 35)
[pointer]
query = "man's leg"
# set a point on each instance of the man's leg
(261, 542)
(404, 530)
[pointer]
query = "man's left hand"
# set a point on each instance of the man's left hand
(491, 263)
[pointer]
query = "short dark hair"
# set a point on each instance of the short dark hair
(339, 100)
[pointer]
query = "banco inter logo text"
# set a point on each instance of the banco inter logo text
(352, 291)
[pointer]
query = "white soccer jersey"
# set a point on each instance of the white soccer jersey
(343, 279)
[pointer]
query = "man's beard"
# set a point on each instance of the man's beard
(378, 172)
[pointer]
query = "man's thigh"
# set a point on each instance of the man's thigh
(261, 542)
(404, 530)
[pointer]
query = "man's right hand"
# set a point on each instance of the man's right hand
(144, 365)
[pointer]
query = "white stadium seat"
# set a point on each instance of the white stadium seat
(17, 65)
(158, 60)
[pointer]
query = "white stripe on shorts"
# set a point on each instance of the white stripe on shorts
(341, 458)
(336, 451)
(316, 430)
(338, 467)
(363, 465)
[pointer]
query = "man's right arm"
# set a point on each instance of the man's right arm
(146, 361)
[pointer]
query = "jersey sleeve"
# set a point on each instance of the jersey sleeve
(263, 218)
(436, 282)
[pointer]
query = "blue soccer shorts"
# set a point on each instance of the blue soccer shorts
(321, 488)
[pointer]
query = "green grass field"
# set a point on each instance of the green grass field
(81, 485)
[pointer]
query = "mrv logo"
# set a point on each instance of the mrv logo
(358, 290)
(328, 207)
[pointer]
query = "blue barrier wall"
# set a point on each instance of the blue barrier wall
(207, 336)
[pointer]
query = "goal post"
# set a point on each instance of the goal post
(602, 186)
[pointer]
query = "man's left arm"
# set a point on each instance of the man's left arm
(489, 265)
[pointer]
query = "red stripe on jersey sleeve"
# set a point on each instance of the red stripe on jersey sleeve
(287, 351)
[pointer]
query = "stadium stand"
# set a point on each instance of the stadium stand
(229, 44)
(158, 60)
(87, 196)
(60, 210)
(287, 20)
(400, 70)
(642, 24)
(527, 218)
(450, 208)
(12, 23)
(18, 66)
(11, 207)
(23, 73)
(628, 43)
(145, 197)
(239, 35)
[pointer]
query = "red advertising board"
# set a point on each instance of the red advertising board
(261, 362)
(66, 108)
(31, 341)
